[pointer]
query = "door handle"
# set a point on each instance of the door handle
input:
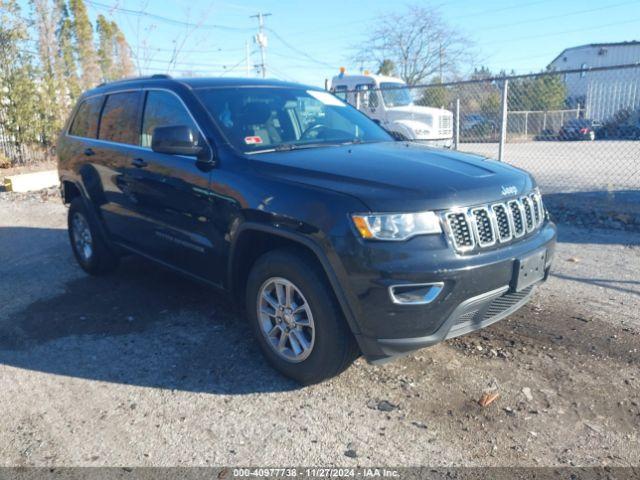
(89, 152)
(139, 163)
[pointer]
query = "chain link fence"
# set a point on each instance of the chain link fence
(574, 130)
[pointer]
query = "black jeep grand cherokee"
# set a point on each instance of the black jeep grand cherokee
(338, 240)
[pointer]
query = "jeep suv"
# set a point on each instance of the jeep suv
(337, 240)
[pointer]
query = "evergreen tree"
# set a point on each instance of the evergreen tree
(85, 50)
(65, 37)
(123, 54)
(52, 104)
(18, 95)
(106, 47)
(387, 67)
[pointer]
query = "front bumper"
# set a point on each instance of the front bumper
(477, 289)
(436, 142)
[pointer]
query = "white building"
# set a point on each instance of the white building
(602, 93)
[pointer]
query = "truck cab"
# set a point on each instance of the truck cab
(388, 101)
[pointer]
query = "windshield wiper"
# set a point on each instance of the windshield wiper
(287, 147)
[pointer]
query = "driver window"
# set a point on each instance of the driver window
(163, 109)
(310, 112)
(367, 96)
(341, 92)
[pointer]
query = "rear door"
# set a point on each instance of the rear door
(172, 192)
(111, 157)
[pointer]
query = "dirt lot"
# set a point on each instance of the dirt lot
(146, 368)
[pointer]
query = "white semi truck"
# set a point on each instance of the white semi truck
(388, 101)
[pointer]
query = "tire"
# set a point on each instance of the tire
(332, 347)
(90, 248)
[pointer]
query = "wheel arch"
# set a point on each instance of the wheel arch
(69, 190)
(253, 240)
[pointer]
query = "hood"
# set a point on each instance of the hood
(397, 176)
(416, 113)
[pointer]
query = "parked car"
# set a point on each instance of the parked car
(337, 240)
(476, 127)
(579, 129)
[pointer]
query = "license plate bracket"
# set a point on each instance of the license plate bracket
(529, 269)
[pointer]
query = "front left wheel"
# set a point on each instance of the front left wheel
(89, 246)
(296, 319)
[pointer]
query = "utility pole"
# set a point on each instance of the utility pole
(440, 61)
(261, 39)
(246, 46)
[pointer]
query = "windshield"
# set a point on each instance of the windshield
(394, 96)
(258, 119)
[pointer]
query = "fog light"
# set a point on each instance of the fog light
(415, 294)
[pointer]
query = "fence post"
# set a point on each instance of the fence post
(456, 138)
(503, 123)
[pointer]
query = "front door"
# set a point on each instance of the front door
(172, 193)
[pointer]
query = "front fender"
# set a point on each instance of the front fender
(329, 266)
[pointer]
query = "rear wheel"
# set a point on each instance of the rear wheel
(295, 318)
(87, 242)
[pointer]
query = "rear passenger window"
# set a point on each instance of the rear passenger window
(85, 123)
(163, 109)
(119, 121)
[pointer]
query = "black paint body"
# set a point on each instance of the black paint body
(192, 215)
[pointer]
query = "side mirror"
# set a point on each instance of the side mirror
(178, 140)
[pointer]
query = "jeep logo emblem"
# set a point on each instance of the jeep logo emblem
(509, 190)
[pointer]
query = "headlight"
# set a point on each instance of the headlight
(396, 226)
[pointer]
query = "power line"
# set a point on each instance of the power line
(233, 67)
(297, 50)
(552, 17)
(562, 32)
(171, 21)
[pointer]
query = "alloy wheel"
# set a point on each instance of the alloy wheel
(285, 319)
(82, 238)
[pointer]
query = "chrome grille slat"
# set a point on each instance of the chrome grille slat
(503, 222)
(528, 214)
(483, 226)
(460, 230)
(517, 218)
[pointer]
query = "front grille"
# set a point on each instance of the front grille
(494, 308)
(460, 231)
(505, 302)
(485, 225)
(445, 123)
(528, 213)
(502, 222)
(518, 221)
(537, 211)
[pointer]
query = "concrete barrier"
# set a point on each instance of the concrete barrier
(28, 182)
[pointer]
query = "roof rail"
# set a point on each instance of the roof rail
(133, 79)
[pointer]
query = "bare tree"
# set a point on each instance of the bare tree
(418, 42)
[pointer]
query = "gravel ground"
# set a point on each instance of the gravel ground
(144, 367)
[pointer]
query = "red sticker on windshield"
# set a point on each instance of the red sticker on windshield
(255, 140)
